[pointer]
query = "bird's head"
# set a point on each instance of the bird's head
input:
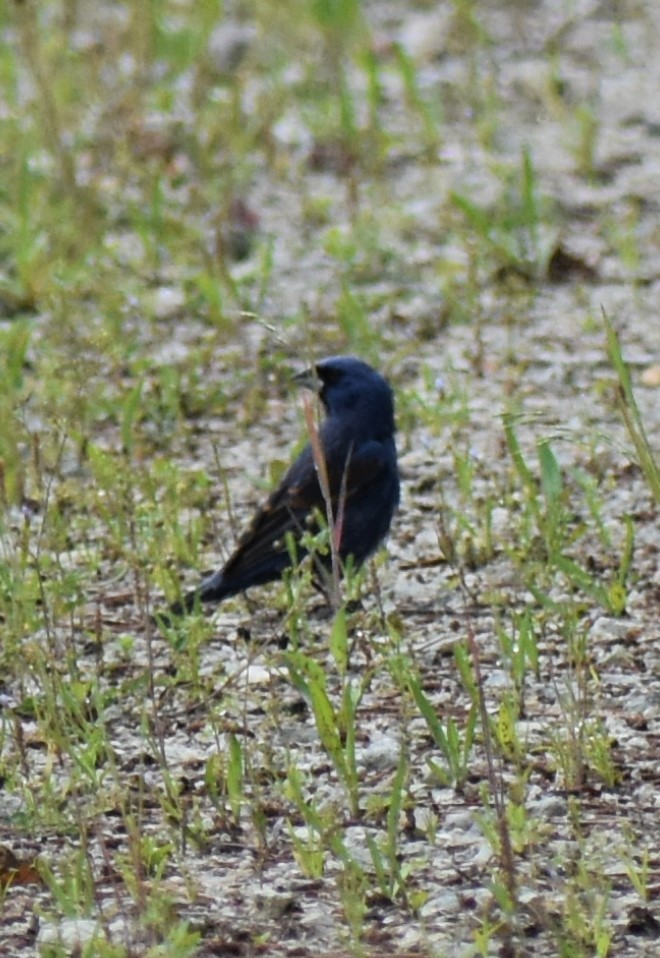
(351, 389)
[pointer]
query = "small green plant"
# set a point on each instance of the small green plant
(630, 411)
(309, 850)
(637, 865)
(465, 534)
(545, 506)
(427, 111)
(455, 744)
(580, 746)
(324, 827)
(14, 345)
(516, 235)
(71, 884)
(585, 928)
(336, 727)
(224, 779)
(520, 653)
(385, 856)
(502, 803)
(587, 127)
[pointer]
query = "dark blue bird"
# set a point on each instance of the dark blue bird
(357, 440)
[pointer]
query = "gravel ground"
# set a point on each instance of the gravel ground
(533, 349)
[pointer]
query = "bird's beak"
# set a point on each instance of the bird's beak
(309, 379)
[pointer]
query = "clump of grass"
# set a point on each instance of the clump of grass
(517, 234)
(547, 523)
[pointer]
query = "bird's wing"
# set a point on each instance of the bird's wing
(298, 497)
(284, 511)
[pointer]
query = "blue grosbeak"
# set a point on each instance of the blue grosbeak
(356, 443)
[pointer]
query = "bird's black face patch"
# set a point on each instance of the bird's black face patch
(330, 375)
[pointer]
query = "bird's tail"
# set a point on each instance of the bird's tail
(212, 589)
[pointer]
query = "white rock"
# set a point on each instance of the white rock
(381, 753)
(229, 44)
(424, 35)
(447, 903)
(167, 301)
(550, 806)
(71, 933)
